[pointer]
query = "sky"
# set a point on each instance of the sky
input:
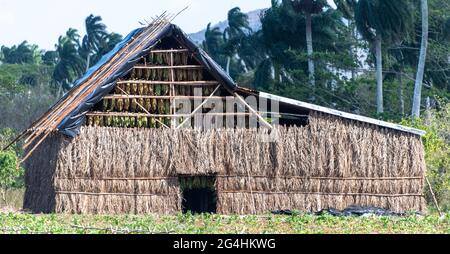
(41, 22)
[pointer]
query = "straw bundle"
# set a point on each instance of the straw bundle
(332, 162)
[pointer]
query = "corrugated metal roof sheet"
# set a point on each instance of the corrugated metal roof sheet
(342, 114)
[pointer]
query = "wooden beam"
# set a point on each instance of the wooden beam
(169, 67)
(324, 193)
(15, 140)
(170, 51)
(434, 197)
(118, 96)
(179, 83)
(126, 114)
(279, 114)
(53, 117)
(142, 107)
(59, 111)
(253, 111)
(198, 108)
(172, 91)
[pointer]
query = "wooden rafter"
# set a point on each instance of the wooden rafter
(142, 107)
(126, 114)
(168, 67)
(198, 108)
(49, 121)
(172, 90)
(119, 96)
(253, 111)
(178, 83)
(169, 51)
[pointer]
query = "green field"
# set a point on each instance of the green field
(13, 223)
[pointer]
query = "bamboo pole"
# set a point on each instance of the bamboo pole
(117, 96)
(86, 88)
(28, 154)
(144, 109)
(180, 83)
(434, 197)
(172, 91)
(326, 178)
(102, 73)
(162, 115)
(50, 120)
(324, 193)
(112, 194)
(171, 67)
(70, 103)
(253, 111)
(169, 51)
(24, 133)
(198, 108)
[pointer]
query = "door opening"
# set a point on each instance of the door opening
(199, 194)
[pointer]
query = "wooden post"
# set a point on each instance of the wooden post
(434, 197)
(142, 107)
(172, 92)
(253, 111)
(15, 140)
(198, 108)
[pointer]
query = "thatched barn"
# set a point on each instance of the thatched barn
(142, 132)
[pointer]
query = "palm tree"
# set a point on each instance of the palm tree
(72, 36)
(381, 21)
(238, 28)
(106, 44)
(50, 58)
(347, 8)
(95, 33)
(213, 41)
(309, 7)
(284, 64)
(70, 64)
(252, 50)
(24, 53)
(422, 59)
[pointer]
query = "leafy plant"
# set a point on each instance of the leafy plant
(437, 152)
(8, 172)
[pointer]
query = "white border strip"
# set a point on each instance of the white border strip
(342, 114)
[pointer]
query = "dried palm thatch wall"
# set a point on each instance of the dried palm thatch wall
(40, 190)
(332, 162)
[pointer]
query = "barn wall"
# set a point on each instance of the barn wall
(39, 177)
(329, 163)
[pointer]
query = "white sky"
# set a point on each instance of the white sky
(41, 22)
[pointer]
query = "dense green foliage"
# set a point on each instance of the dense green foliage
(219, 224)
(25, 92)
(437, 152)
(9, 173)
(274, 59)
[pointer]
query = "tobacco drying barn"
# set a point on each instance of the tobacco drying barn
(141, 133)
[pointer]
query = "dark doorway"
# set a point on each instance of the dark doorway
(199, 194)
